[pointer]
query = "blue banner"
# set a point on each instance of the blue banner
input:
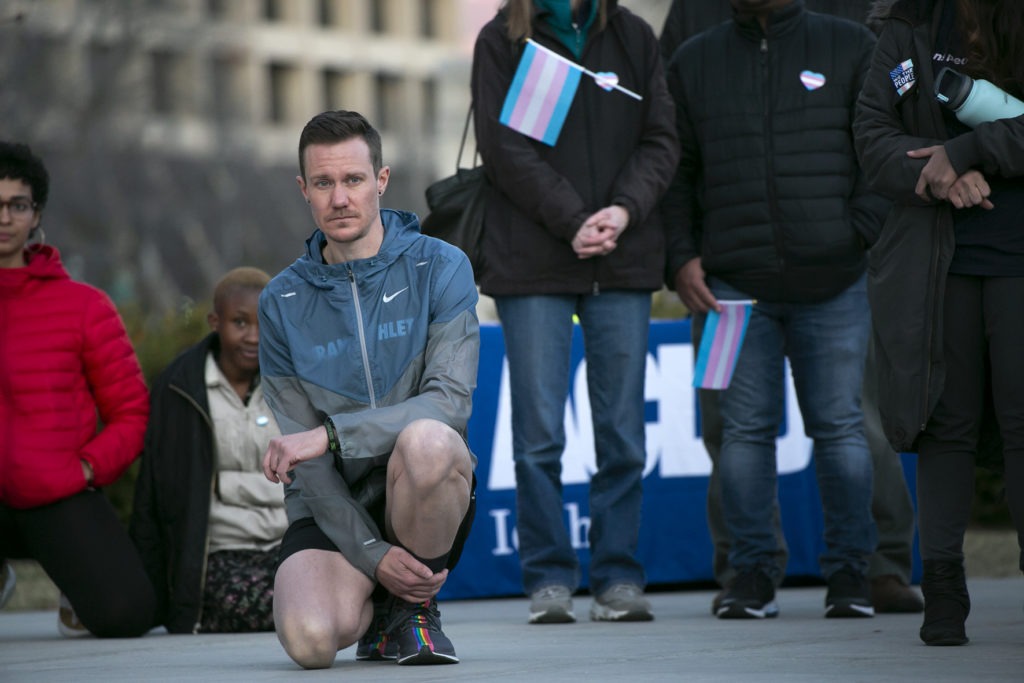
(674, 543)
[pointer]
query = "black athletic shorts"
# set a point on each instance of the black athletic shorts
(304, 534)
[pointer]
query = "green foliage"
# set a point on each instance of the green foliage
(157, 340)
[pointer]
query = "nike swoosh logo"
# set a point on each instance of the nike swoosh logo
(285, 296)
(389, 297)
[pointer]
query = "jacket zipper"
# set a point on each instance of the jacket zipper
(362, 338)
(213, 483)
(770, 154)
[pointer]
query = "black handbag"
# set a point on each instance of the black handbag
(456, 206)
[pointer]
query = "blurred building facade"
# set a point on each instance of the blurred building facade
(171, 126)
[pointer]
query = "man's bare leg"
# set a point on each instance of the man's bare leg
(430, 476)
(321, 605)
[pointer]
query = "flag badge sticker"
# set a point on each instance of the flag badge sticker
(903, 76)
(812, 80)
(541, 93)
(720, 344)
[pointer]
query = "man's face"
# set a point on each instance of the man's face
(237, 324)
(15, 222)
(344, 196)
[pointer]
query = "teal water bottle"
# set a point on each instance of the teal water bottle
(975, 101)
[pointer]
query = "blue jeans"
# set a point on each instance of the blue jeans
(826, 344)
(538, 336)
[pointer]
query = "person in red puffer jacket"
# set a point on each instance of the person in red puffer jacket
(65, 362)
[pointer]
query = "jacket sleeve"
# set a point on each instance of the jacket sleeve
(449, 374)
(996, 148)
(647, 172)
(679, 205)
(512, 164)
(145, 527)
(880, 136)
(317, 487)
(868, 209)
(115, 379)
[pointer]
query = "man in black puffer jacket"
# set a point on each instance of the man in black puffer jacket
(891, 565)
(769, 204)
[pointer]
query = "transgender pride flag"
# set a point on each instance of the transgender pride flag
(542, 90)
(720, 344)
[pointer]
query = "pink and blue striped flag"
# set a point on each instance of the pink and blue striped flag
(720, 345)
(541, 93)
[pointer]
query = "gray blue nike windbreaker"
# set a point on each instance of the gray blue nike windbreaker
(376, 344)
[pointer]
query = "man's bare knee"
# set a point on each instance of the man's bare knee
(311, 642)
(430, 453)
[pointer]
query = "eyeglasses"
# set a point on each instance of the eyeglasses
(18, 207)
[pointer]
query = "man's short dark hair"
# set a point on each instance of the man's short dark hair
(332, 127)
(17, 162)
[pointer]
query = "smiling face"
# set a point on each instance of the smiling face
(236, 323)
(16, 224)
(343, 193)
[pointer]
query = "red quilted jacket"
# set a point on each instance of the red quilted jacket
(65, 362)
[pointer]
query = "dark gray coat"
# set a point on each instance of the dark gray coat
(909, 263)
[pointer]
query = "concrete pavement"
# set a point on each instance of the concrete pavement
(496, 644)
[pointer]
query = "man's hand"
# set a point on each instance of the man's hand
(285, 452)
(937, 176)
(970, 189)
(407, 578)
(692, 289)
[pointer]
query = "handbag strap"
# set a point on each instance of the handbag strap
(462, 145)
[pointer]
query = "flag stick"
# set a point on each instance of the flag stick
(583, 69)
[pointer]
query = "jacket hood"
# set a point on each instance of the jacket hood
(914, 11)
(401, 228)
(43, 264)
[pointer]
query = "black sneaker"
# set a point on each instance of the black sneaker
(849, 595)
(416, 628)
(751, 595)
(377, 645)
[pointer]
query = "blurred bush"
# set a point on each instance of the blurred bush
(157, 340)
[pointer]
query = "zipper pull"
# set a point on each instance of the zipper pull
(764, 45)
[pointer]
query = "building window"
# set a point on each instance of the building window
(428, 19)
(428, 115)
(229, 91)
(216, 9)
(163, 71)
(283, 92)
(388, 102)
(378, 16)
(336, 89)
(272, 10)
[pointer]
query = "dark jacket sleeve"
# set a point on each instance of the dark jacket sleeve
(868, 209)
(995, 148)
(644, 177)
(145, 526)
(679, 206)
(513, 166)
(880, 134)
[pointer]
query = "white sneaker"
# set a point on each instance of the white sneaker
(7, 581)
(551, 605)
(67, 621)
(621, 602)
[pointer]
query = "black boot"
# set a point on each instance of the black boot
(946, 603)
